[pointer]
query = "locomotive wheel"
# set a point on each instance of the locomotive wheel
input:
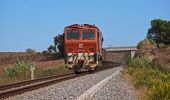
(77, 70)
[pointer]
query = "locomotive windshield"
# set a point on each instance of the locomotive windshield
(88, 35)
(73, 35)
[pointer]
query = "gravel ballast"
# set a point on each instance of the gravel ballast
(116, 88)
(73, 88)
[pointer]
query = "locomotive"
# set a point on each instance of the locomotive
(82, 47)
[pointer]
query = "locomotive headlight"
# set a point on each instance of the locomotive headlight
(70, 58)
(91, 54)
(70, 54)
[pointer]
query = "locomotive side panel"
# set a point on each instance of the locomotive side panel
(100, 41)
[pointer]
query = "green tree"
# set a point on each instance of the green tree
(159, 31)
(52, 48)
(59, 42)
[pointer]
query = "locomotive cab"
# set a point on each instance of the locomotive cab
(83, 47)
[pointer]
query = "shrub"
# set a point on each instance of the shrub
(159, 91)
(10, 72)
(131, 70)
(29, 50)
(19, 68)
(139, 62)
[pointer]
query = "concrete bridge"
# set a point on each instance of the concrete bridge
(122, 54)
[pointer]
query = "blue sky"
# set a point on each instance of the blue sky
(33, 23)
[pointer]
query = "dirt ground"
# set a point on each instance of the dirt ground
(160, 56)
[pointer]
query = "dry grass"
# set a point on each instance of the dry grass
(140, 92)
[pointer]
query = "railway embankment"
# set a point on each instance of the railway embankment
(149, 71)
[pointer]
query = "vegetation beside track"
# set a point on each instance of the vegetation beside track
(21, 71)
(150, 72)
(154, 80)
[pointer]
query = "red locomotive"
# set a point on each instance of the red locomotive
(82, 47)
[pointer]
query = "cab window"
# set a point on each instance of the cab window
(73, 35)
(88, 35)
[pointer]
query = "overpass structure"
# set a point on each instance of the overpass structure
(122, 54)
(131, 49)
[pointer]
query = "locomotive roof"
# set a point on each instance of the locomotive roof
(82, 26)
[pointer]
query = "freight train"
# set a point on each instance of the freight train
(83, 47)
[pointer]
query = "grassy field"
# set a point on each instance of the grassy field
(15, 70)
(21, 71)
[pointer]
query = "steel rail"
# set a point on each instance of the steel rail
(18, 84)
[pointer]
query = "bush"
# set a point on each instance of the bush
(10, 72)
(19, 68)
(131, 70)
(29, 50)
(159, 91)
(139, 62)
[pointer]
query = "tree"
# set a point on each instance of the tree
(159, 31)
(52, 48)
(29, 50)
(59, 42)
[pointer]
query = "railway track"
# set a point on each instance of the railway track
(20, 87)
